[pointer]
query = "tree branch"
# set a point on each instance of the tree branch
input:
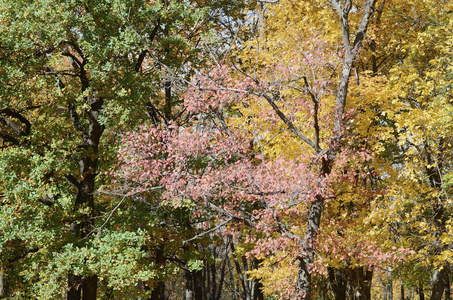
(208, 231)
(75, 118)
(73, 180)
(289, 124)
(33, 250)
(17, 130)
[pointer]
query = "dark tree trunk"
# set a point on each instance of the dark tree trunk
(361, 282)
(89, 287)
(198, 285)
(158, 292)
(257, 286)
(338, 281)
(251, 288)
(168, 100)
(439, 283)
(402, 291)
(447, 289)
(214, 273)
(194, 285)
(421, 293)
(88, 164)
(74, 288)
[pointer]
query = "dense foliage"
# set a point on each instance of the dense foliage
(289, 149)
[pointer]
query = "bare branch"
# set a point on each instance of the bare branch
(364, 21)
(226, 213)
(208, 231)
(13, 114)
(268, 1)
(73, 180)
(289, 124)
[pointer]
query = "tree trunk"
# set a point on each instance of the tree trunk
(338, 281)
(402, 290)
(258, 291)
(251, 288)
(2, 283)
(439, 278)
(361, 282)
(189, 290)
(390, 290)
(198, 285)
(88, 165)
(194, 282)
(439, 282)
(89, 288)
(214, 277)
(306, 257)
(234, 286)
(74, 288)
(158, 292)
(303, 283)
(421, 294)
(447, 289)
(389, 286)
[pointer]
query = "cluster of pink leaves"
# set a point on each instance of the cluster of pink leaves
(221, 175)
(214, 167)
(206, 165)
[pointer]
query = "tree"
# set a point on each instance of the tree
(410, 150)
(224, 149)
(418, 136)
(75, 73)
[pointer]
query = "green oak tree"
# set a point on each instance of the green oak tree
(75, 76)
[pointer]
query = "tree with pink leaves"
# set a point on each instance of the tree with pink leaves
(221, 163)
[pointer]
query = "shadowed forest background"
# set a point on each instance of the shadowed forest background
(230, 149)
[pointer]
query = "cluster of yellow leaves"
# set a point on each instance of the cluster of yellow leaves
(401, 99)
(415, 105)
(291, 28)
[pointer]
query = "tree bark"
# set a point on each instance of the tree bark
(440, 278)
(439, 283)
(2, 283)
(89, 287)
(88, 164)
(448, 290)
(158, 292)
(258, 291)
(194, 282)
(421, 294)
(338, 281)
(389, 286)
(74, 288)
(402, 291)
(390, 291)
(303, 283)
(361, 278)
(306, 258)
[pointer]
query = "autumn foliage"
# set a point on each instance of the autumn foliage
(226, 149)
